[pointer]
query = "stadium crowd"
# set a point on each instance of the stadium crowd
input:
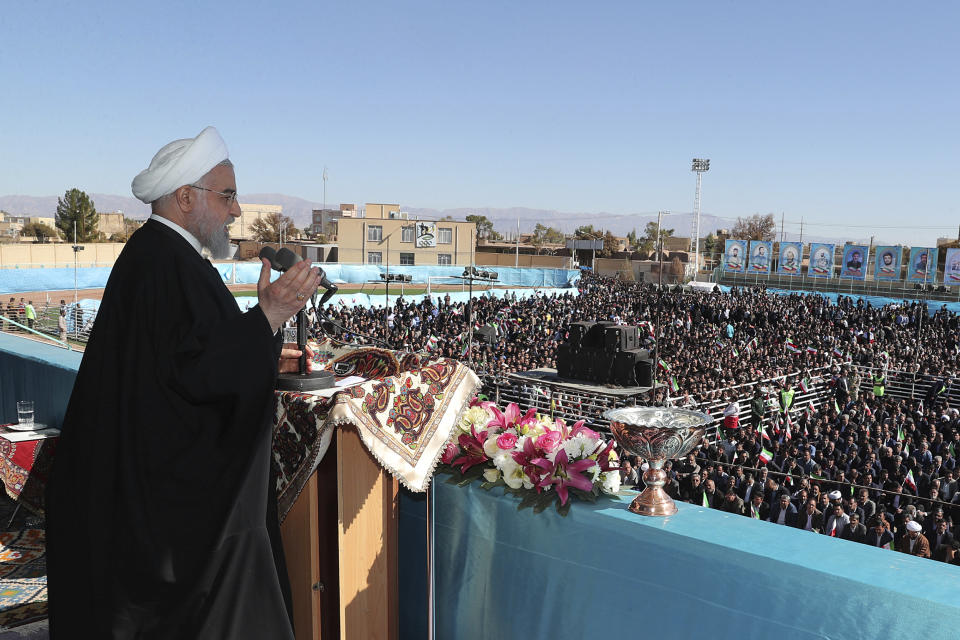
(710, 340)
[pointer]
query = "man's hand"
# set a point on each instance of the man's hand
(290, 359)
(278, 299)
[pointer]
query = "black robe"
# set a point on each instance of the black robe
(161, 519)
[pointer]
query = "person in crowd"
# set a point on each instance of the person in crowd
(855, 531)
(783, 511)
(914, 543)
(810, 519)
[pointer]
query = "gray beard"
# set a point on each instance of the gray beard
(213, 237)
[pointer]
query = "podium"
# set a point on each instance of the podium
(338, 502)
(340, 542)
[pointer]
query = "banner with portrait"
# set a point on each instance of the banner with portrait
(951, 270)
(887, 265)
(821, 260)
(735, 256)
(791, 256)
(761, 253)
(853, 266)
(923, 265)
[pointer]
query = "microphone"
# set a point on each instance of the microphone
(271, 255)
(287, 259)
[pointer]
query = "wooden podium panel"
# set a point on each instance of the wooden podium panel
(340, 541)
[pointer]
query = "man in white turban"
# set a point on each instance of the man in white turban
(161, 517)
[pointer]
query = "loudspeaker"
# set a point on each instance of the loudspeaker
(620, 338)
(632, 368)
(578, 331)
(487, 334)
(565, 362)
(645, 371)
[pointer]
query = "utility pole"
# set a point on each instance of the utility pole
(656, 329)
(781, 227)
(801, 231)
(517, 261)
(700, 165)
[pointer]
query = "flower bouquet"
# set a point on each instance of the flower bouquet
(540, 459)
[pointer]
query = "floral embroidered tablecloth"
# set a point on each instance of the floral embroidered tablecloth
(404, 412)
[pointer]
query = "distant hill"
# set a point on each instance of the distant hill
(504, 220)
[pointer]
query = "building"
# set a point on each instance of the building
(323, 219)
(11, 226)
(386, 235)
(111, 223)
(241, 228)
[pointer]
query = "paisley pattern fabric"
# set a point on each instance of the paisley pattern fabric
(405, 413)
(24, 469)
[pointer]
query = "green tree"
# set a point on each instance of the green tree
(268, 228)
(485, 228)
(632, 239)
(543, 235)
(711, 246)
(649, 238)
(585, 232)
(610, 245)
(38, 230)
(755, 227)
(76, 207)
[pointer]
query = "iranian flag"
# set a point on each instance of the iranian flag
(763, 434)
(813, 352)
(792, 347)
(663, 365)
(464, 345)
(673, 384)
(751, 344)
(901, 436)
(765, 455)
(837, 352)
(431, 344)
(705, 502)
(951, 450)
(805, 385)
(836, 407)
(787, 433)
(909, 481)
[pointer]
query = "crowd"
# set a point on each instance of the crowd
(710, 340)
(866, 468)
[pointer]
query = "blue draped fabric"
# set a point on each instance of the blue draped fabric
(31, 370)
(603, 571)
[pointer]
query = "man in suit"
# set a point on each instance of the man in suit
(855, 531)
(732, 503)
(783, 511)
(836, 522)
(941, 541)
(758, 509)
(879, 535)
(914, 543)
(869, 506)
(811, 519)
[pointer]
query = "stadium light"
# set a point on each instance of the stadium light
(700, 165)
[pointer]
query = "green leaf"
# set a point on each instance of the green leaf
(529, 500)
(544, 500)
(564, 509)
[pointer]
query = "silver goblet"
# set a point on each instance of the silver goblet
(656, 434)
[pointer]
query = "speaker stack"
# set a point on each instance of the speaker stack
(605, 353)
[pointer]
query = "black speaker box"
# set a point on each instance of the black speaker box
(632, 368)
(578, 331)
(565, 362)
(594, 337)
(620, 338)
(487, 334)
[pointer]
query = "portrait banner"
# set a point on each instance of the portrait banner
(735, 256)
(821, 260)
(854, 263)
(887, 265)
(760, 253)
(923, 265)
(951, 271)
(791, 255)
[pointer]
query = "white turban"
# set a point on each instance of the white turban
(914, 526)
(180, 162)
(834, 495)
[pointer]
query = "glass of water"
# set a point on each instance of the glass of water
(25, 412)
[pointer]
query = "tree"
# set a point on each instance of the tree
(445, 218)
(756, 227)
(543, 234)
(484, 228)
(38, 230)
(585, 232)
(129, 226)
(711, 246)
(649, 239)
(610, 245)
(76, 206)
(267, 228)
(632, 239)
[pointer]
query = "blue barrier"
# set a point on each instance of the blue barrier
(21, 280)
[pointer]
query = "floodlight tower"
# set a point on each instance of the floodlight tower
(700, 165)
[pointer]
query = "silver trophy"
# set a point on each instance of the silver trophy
(656, 434)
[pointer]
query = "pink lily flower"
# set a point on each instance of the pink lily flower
(472, 446)
(511, 417)
(526, 459)
(562, 473)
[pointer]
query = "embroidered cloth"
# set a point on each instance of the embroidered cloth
(405, 413)
(25, 467)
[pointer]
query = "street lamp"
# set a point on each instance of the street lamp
(700, 165)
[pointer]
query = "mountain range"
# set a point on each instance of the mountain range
(504, 220)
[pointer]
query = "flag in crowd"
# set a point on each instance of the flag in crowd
(705, 501)
(464, 345)
(663, 365)
(909, 481)
(792, 347)
(765, 455)
(673, 384)
(837, 352)
(901, 436)
(431, 344)
(805, 385)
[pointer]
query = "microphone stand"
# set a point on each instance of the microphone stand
(305, 380)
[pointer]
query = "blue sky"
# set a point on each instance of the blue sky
(838, 113)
